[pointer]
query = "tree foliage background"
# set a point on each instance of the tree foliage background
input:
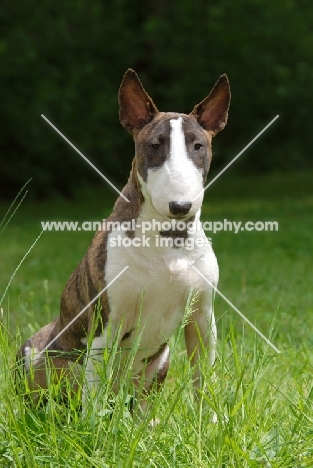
(66, 60)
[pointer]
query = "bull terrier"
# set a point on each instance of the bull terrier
(146, 304)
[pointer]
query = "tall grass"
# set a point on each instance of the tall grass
(263, 409)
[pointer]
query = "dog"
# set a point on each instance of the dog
(146, 304)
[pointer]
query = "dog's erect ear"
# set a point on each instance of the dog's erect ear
(212, 112)
(136, 106)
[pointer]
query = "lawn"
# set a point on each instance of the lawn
(263, 400)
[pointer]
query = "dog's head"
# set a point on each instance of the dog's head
(173, 151)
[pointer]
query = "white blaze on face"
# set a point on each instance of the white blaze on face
(178, 179)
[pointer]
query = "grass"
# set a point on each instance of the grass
(263, 400)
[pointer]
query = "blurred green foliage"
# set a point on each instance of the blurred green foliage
(66, 60)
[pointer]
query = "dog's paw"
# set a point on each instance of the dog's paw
(215, 419)
(153, 423)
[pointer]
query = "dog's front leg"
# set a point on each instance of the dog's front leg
(93, 364)
(200, 337)
(151, 377)
(98, 367)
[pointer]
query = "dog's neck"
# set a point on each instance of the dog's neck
(128, 210)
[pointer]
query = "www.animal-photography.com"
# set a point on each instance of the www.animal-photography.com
(155, 235)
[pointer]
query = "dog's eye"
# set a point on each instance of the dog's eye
(197, 146)
(156, 146)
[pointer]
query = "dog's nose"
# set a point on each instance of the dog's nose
(180, 208)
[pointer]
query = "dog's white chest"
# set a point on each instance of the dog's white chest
(151, 294)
